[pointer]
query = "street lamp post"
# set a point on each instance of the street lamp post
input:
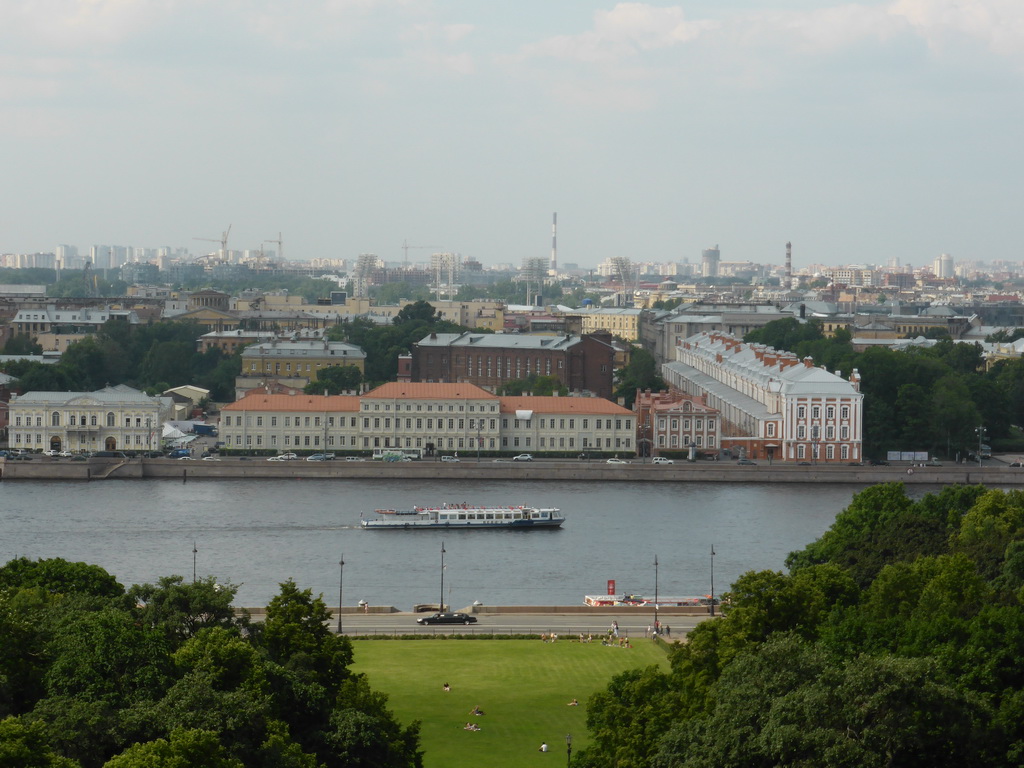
(568, 750)
(712, 579)
(981, 441)
(341, 587)
(194, 552)
(478, 440)
(656, 625)
(441, 604)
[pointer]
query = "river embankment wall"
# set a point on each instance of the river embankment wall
(702, 472)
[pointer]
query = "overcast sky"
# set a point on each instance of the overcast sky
(860, 131)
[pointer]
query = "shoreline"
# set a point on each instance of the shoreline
(702, 472)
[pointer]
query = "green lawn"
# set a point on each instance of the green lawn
(523, 687)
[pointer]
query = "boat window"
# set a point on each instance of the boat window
(490, 515)
(462, 517)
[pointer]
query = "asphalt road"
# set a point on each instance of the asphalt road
(632, 623)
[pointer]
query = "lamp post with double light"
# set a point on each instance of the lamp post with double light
(341, 587)
(441, 604)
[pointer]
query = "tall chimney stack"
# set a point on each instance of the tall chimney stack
(789, 265)
(554, 242)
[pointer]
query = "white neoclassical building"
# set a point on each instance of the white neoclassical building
(110, 419)
(771, 403)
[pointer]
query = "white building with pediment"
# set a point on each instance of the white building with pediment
(117, 418)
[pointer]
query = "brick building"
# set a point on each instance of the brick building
(581, 363)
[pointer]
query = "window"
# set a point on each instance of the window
(844, 412)
(801, 432)
(55, 419)
(801, 412)
(830, 412)
(770, 429)
(844, 452)
(110, 420)
(801, 453)
(816, 412)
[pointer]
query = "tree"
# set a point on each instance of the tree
(539, 386)
(335, 380)
(56, 575)
(22, 344)
(639, 374)
(180, 610)
(24, 744)
(420, 311)
(186, 749)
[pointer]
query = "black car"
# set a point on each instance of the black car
(879, 463)
(448, 618)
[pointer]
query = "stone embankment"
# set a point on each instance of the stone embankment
(468, 469)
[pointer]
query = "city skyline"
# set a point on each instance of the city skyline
(860, 132)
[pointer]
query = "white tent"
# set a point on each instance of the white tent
(172, 433)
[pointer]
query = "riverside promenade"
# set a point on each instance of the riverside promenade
(994, 473)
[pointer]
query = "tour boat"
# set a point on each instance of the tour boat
(464, 516)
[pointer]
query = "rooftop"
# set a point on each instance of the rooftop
(407, 390)
(298, 402)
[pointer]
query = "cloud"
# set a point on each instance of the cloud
(631, 30)
(626, 30)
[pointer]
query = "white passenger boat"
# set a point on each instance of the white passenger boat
(464, 516)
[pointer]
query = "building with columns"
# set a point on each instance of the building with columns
(116, 418)
(772, 405)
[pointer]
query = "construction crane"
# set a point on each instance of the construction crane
(406, 247)
(223, 241)
(280, 247)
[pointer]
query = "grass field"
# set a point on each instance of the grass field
(523, 687)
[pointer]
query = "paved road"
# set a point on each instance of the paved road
(634, 624)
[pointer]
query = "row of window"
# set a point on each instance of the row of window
(25, 438)
(830, 412)
(802, 452)
(81, 419)
(489, 408)
(428, 424)
(453, 443)
(830, 432)
(698, 424)
(698, 441)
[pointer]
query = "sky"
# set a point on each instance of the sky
(858, 131)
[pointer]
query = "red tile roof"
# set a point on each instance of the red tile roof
(312, 403)
(593, 406)
(407, 390)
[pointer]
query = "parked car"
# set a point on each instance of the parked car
(354, 458)
(523, 457)
(51, 453)
(879, 463)
(449, 458)
(747, 463)
(65, 454)
(447, 618)
(185, 458)
(178, 453)
(803, 464)
(616, 461)
(276, 458)
(211, 458)
(288, 457)
(320, 457)
(661, 460)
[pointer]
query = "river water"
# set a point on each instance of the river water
(260, 533)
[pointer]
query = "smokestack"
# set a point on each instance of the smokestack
(789, 265)
(554, 242)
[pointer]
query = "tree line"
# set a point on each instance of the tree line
(150, 356)
(923, 398)
(93, 675)
(896, 639)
